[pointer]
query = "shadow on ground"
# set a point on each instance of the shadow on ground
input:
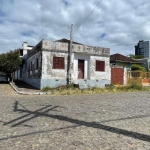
(44, 112)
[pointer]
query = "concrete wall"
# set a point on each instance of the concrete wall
(46, 50)
(33, 82)
(92, 78)
(100, 51)
(47, 65)
(34, 73)
(52, 82)
(98, 74)
(49, 45)
(59, 46)
(26, 47)
(86, 59)
(124, 64)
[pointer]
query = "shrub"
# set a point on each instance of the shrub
(46, 89)
(136, 86)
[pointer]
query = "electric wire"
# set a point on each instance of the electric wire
(87, 16)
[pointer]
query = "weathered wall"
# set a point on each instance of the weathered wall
(47, 65)
(49, 45)
(46, 50)
(91, 50)
(86, 59)
(98, 74)
(53, 82)
(59, 46)
(34, 73)
(83, 84)
(33, 82)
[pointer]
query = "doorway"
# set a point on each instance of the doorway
(80, 69)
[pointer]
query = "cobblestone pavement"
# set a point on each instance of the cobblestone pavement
(82, 122)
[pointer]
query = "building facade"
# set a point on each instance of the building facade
(48, 64)
(23, 54)
(121, 60)
(143, 49)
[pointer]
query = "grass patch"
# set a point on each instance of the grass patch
(71, 90)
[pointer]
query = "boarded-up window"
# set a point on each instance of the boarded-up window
(58, 63)
(100, 65)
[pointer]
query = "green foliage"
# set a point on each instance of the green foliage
(133, 86)
(46, 89)
(10, 62)
(135, 56)
(136, 67)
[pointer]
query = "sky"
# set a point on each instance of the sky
(114, 24)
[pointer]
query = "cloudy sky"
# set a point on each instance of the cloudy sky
(115, 24)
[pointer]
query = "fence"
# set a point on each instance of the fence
(138, 76)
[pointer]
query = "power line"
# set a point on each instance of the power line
(88, 16)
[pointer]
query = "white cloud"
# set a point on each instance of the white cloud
(118, 25)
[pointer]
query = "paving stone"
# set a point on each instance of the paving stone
(98, 122)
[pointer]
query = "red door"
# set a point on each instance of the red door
(117, 75)
(80, 69)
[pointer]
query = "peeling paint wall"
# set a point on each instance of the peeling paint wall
(34, 72)
(98, 74)
(91, 50)
(48, 76)
(47, 66)
(49, 45)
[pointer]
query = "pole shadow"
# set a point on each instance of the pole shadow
(44, 112)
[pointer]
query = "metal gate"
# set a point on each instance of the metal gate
(117, 75)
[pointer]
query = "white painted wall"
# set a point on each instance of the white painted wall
(98, 74)
(25, 48)
(47, 66)
(86, 59)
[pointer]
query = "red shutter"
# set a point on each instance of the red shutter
(100, 65)
(58, 63)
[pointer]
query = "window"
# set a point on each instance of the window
(100, 65)
(37, 63)
(20, 72)
(31, 65)
(58, 63)
(21, 52)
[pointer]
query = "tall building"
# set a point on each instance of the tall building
(143, 48)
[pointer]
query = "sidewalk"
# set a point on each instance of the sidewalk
(25, 89)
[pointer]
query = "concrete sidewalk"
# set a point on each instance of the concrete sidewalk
(23, 88)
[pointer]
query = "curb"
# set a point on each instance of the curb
(28, 93)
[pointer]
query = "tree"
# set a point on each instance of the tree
(136, 67)
(10, 62)
(135, 56)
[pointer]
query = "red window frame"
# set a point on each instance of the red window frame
(100, 65)
(58, 63)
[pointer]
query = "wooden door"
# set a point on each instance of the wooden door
(117, 75)
(80, 69)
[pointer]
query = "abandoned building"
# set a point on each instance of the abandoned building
(51, 64)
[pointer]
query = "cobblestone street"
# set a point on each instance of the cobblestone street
(79, 122)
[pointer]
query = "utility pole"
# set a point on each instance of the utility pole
(70, 56)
